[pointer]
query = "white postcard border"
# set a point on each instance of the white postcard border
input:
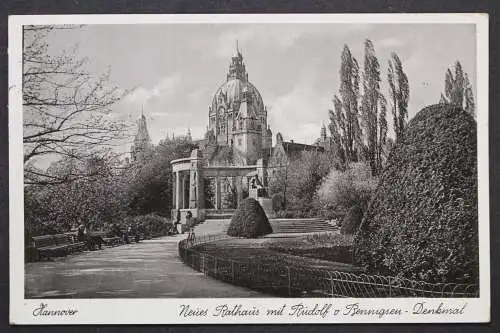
(166, 311)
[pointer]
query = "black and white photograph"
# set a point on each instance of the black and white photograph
(242, 159)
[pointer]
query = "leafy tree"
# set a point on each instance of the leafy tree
(65, 108)
(152, 182)
(304, 176)
(95, 200)
(399, 90)
(458, 90)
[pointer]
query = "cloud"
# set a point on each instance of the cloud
(298, 114)
(390, 42)
(195, 96)
(165, 88)
(160, 114)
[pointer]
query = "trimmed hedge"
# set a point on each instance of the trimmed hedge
(352, 220)
(249, 220)
(422, 221)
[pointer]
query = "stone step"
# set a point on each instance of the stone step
(218, 216)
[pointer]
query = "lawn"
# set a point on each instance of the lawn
(325, 246)
(283, 266)
(329, 251)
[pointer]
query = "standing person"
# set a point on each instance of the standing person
(80, 236)
(190, 226)
(178, 222)
(128, 233)
(137, 233)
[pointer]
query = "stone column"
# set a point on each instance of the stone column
(196, 181)
(178, 190)
(217, 193)
(239, 189)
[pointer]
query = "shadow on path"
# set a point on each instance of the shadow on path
(149, 269)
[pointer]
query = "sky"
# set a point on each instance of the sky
(172, 70)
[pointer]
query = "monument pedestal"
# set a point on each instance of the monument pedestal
(267, 204)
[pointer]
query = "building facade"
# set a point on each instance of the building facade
(233, 158)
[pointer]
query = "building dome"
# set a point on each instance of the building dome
(236, 89)
(231, 93)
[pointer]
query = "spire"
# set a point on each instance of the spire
(323, 132)
(142, 140)
(237, 67)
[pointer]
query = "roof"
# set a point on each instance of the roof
(291, 147)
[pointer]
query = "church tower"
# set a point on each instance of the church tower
(141, 147)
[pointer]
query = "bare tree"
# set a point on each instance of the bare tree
(65, 108)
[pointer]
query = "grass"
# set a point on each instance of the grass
(325, 246)
(317, 251)
(270, 265)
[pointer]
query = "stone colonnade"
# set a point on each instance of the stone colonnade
(189, 174)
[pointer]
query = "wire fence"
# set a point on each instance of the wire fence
(301, 281)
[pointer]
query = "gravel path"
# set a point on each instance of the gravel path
(149, 269)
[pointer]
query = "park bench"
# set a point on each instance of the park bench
(54, 246)
(46, 247)
(109, 240)
(68, 240)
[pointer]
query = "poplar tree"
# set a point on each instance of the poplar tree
(344, 121)
(399, 94)
(370, 106)
(458, 89)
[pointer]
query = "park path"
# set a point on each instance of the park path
(149, 269)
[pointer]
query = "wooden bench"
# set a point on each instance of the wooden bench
(54, 246)
(69, 240)
(111, 240)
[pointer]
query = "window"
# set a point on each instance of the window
(239, 142)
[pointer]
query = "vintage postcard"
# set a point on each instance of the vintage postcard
(198, 169)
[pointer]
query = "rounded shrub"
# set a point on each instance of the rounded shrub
(422, 220)
(249, 220)
(351, 221)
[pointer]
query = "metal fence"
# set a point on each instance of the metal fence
(301, 281)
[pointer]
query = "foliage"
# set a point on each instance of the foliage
(278, 203)
(458, 90)
(65, 108)
(96, 200)
(422, 220)
(304, 176)
(209, 193)
(352, 220)
(153, 223)
(399, 90)
(249, 220)
(341, 190)
(151, 182)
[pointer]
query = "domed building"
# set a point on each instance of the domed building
(237, 119)
(233, 158)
